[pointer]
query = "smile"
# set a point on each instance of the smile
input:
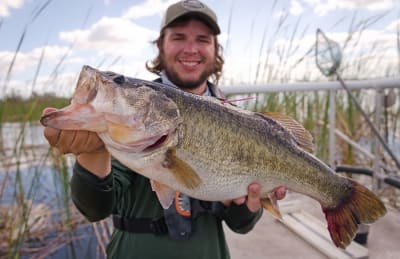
(190, 63)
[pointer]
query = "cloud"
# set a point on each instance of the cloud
(107, 2)
(62, 85)
(22, 74)
(111, 43)
(28, 61)
(367, 4)
(393, 26)
(6, 5)
(63, 82)
(113, 36)
(368, 54)
(296, 8)
(322, 7)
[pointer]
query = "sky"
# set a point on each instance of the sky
(45, 43)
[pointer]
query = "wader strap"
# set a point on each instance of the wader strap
(141, 225)
(177, 226)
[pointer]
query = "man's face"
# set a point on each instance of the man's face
(188, 53)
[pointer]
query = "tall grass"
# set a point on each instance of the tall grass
(279, 62)
(31, 227)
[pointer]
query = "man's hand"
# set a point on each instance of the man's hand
(87, 146)
(73, 141)
(253, 198)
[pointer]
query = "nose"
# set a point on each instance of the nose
(190, 47)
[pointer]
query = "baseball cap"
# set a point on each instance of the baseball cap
(191, 8)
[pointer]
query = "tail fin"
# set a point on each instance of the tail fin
(361, 207)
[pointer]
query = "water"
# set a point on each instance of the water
(39, 183)
(32, 134)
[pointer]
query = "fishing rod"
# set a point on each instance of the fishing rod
(328, 61)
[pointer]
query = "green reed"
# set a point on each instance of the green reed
(21, 216)
(279, 62)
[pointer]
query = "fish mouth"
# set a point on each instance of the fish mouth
(143, 147)
(157, 144)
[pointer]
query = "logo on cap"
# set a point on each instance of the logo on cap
(192, 5)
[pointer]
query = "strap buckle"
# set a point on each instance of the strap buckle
(159, 227)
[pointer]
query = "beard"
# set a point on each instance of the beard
(188, 84)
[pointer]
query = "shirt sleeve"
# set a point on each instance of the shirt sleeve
(240, 219)
(94, 197)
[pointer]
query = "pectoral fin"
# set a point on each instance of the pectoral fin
(271, 205)
(164, 193)
(183, 172)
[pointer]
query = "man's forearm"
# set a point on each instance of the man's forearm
(240, 219)
(93, 196)
(98, 164)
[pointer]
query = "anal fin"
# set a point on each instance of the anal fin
(271, 205)
(164, 193)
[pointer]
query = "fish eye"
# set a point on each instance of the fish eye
(119, 79)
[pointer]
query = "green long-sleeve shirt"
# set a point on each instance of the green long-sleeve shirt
(129, 194)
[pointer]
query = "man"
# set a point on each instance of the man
(189, 54)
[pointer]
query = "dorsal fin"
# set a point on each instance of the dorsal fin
(302, 137)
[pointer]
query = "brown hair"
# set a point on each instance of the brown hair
(157, 65)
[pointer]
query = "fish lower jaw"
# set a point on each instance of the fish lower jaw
(145, 146)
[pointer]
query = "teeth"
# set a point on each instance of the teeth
(190, 63)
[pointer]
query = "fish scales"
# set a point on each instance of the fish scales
(233, 136)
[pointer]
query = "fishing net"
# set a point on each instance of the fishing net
(328, 54)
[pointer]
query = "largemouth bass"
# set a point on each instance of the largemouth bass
(210, 149)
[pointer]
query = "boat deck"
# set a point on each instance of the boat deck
(274, 239)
